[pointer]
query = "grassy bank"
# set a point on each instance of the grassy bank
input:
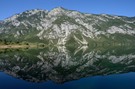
(21, 45)
(17, 46)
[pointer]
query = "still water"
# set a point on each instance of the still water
(68, 68)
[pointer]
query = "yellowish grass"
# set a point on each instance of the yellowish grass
(16, 46)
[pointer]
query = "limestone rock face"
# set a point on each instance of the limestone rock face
(62, 25)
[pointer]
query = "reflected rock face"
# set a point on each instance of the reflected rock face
(62, 65)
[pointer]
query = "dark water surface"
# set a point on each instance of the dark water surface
(68, 68)
(120, 81)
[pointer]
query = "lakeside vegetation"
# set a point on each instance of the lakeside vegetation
(17, 44)
(4, 43)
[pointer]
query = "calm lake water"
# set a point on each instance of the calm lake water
(68, 68)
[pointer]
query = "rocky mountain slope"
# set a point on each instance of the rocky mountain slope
(61, 26)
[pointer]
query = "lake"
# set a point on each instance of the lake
(68, 68)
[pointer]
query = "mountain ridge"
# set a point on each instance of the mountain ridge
(70, 10)
(61, 25)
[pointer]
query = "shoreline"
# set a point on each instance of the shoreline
(17, 46)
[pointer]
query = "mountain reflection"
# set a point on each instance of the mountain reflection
(62, 64)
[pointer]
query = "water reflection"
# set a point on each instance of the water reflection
(62, 64)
